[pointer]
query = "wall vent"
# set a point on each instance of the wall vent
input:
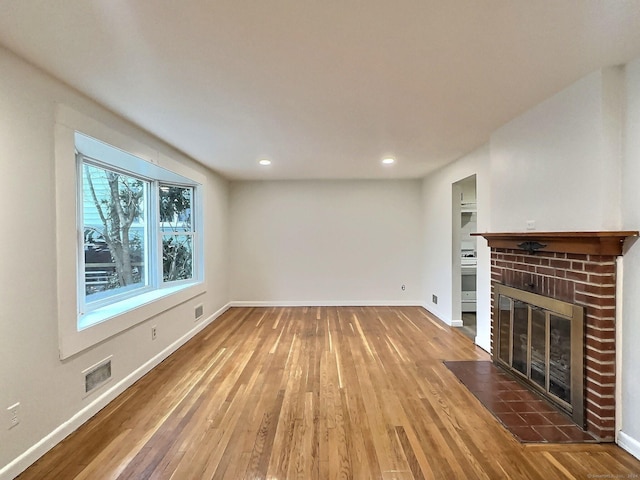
(97, 375)
(199, 311)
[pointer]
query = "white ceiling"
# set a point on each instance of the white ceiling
(324, 88)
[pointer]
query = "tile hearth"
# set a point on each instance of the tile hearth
(526, 415)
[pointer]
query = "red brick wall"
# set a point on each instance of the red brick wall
(586, 280)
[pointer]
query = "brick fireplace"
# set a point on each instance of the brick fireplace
(578, 268)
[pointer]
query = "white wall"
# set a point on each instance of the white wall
(326, 242)
(48, 389)
(558, 164)
(437, 268)
(630, 335)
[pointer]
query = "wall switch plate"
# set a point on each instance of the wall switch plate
(14, 415)
(434, 299)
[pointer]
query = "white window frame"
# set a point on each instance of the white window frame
(77, 330)
(193, 234)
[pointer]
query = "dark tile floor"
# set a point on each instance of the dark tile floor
(526, 415)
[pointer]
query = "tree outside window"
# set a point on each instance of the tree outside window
(114, 232)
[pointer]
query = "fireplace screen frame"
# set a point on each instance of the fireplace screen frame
(551, 306)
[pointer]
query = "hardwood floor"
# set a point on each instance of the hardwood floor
(314, 393)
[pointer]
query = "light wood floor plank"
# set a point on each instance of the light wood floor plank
(314, 393)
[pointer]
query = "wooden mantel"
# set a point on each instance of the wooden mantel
(587, 243)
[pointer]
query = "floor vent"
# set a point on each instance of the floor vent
(97, 375)
(199, 311)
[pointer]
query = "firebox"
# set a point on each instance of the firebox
(541, 341)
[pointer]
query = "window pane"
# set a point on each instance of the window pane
(114, 232)
(177, 257)
(175, 208)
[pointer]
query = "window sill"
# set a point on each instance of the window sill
(111, 320)
(123, 307)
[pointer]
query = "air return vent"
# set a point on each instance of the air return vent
(97, 375)
(199, 311)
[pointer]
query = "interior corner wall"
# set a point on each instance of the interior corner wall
(437, 268)
(326, 242)
(50, 391)
(630, 334)
(558, 164)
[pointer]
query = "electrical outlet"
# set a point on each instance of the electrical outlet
(14, 415)
(434, 299)
(531, 224)
(154, 332)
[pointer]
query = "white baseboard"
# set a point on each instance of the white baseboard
(629, 444)
(326, 303)
(22, 462)
(436, 313)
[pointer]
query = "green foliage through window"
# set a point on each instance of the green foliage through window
(177, 232)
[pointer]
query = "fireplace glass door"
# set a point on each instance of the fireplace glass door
(539, 339)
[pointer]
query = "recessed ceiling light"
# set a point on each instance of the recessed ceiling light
(388, 161)
(265, 162)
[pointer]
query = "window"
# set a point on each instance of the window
(115, 235)
(137, 228)
(101, 294)
(177, 232)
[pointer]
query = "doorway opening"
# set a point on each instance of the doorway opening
(465, 261)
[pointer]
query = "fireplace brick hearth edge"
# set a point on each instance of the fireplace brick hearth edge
(578, 268)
